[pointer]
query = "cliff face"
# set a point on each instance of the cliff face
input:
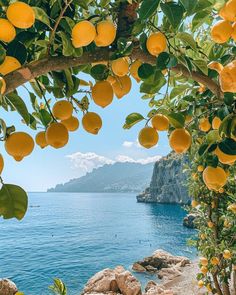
(168, 182)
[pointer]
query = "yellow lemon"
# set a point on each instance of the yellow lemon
(83, 33)
(21, 15)
(160, 122)
(120, 66)
(156, 43)
(148, 137)
(102, 93)
(106, 33)
(40, 139)
(92, 122)
(72, 124)
(19, 145)
(9, 65)
(180, 140)
(7, 31)
(57, 135)
(221, 31)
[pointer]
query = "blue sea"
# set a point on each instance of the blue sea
(74, 235)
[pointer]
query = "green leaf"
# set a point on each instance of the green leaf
(17, 50)
(199, 19)
(45, 117)
(189, 5)
(203, 148)
(228, 146)
(162, 60)
(187, 39)
(42, 16)
(58, 288)
(67, 47)
(145, 71)
(99, 72)
(178, 90)
(13, 201)
(2, 54)
(3, 127)
(147, 8)
(19, 106)
(202, 65)
(132, 119)
(176, 120)
(174, 13)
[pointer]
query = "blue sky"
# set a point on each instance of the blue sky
(48, 167)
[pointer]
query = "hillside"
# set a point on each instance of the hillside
(117, 177)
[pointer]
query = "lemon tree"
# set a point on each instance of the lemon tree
(182, 54)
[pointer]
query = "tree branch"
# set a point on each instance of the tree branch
(43, 66)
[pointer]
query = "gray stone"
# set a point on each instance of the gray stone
(189, 221)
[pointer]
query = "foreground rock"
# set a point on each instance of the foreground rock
(113, 282)
(7, 287)
(161, 262)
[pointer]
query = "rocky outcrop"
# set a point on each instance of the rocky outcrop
(189, 221)
(7, 287)
(162, 263)
(175, 280)
(113, 282)
(168, 183)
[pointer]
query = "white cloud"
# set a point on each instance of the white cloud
(130, 144)
(86, 162)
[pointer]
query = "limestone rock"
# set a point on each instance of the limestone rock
(128, 284)
(103, 281)
(160, 260)
(116, 281)
(7, 287)
(168, 184)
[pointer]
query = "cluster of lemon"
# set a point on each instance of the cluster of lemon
(225, 29)
(215, 178)
(20, 144)
(84, 33)
(180, 139)
(19, 15)
(213, 262)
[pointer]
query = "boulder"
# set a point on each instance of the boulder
(128, 284)
(160, 259)
(189, 221)
(116, 281)
(138, 267)
(7, 287)
(103, 281)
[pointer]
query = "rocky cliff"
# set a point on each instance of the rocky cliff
(168, 183)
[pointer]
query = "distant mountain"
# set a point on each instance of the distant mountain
(117, 177)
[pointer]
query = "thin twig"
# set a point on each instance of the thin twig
(57, 24)
(46, 102)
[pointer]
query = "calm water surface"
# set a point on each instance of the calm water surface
(72, 236)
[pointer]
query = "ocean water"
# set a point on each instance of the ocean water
(74, 235)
